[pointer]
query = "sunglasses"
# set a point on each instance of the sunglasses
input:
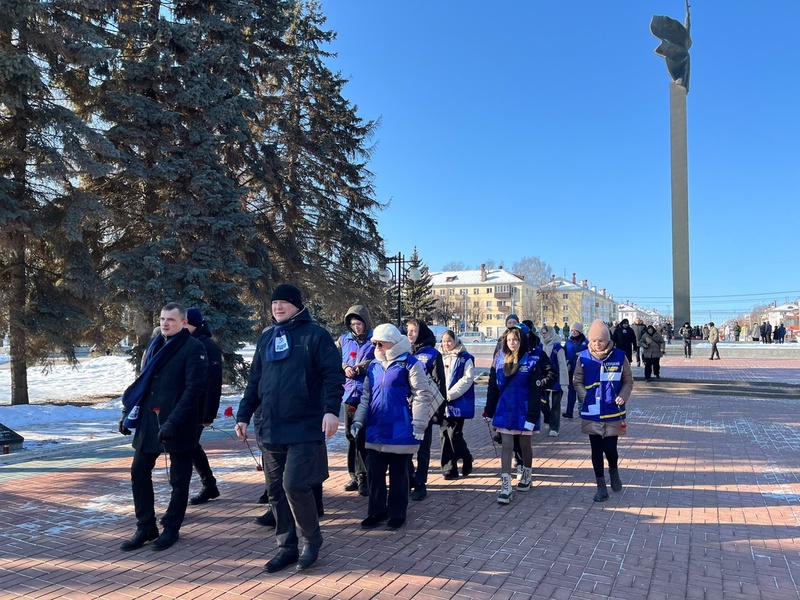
(380, 344)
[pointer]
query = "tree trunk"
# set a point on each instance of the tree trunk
(17, 335)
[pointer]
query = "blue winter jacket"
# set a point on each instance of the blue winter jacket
(513, 401)
(354, 353)
(388, 420)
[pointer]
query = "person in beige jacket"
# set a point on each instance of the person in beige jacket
(713, 338)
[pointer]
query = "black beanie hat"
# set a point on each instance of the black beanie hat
(288, 293)
(194, 317)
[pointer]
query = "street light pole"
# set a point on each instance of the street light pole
(400, 274)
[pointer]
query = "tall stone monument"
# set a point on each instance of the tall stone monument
(674, 47)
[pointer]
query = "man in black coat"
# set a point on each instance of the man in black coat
(209, 403)
(163, 406)
(297, 378)
(624, 338)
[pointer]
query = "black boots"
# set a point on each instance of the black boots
(602, 491)
(616, 482)
(206, 494)
(139, 539)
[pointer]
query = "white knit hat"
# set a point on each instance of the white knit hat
(386, 333)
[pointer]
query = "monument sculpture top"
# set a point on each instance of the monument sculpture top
(674, 47)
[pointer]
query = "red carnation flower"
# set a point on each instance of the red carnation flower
(228, 412)
(352, 354)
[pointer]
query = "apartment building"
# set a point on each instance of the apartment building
(481, 299)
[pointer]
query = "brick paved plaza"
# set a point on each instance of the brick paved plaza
(710, 510)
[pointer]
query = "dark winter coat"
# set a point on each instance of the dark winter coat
(209, 406)
(624, 338)
(297, 388)
(172, 400)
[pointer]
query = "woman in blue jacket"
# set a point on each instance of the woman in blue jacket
(603, 382)
(516, 380)
(395, 409)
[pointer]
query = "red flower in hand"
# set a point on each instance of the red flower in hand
(352, 354)
(228, 412)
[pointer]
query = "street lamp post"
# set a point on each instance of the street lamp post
(400, 273)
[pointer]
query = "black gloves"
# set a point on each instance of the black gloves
(166, 432)
(122, 429)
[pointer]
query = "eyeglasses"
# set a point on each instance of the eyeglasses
(380, 344)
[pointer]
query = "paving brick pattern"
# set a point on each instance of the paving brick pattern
(710, 510)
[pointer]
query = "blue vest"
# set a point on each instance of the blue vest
(572, 350)
(512, 404)
(463, 407)
(556, 387)
(603, 381)
(354, 353)
(389, 415)
(427, 356)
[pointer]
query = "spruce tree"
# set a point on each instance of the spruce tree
(177, 104)
(418, 299)
(315, 206)
(47, 278)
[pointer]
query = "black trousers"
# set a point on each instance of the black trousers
(652, 366)
(603, 446)
(356, 452)
(200, 463)
(687, 348)
(714, 350)
(395, 502)
(420, 474)
(292, 470)
(454, 446)
(180, 475)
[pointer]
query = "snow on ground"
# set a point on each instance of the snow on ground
(49, 422)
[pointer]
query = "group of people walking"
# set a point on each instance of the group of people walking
(397, 388)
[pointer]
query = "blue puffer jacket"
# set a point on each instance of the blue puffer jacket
(354, 353)
(463, 406)
(513, 401)
(388, 419)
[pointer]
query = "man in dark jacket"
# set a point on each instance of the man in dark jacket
(297, 378)
(638, 329)
(209, 404)
(163, 406)
(625, 339)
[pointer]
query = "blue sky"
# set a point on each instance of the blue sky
(529, 128)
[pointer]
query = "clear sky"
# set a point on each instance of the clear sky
(531, 128)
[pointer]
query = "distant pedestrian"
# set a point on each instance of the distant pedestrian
(638, 329)
(670, 332)
(737, 331)
(459, 368)
(781, 333)
(713, 338)
(297, 379)
(394, 413)
(625, 339)
(517, 380)
(653, 349)
(209, 404)
(686, 335)
(163, 405)
(357, 353)
(604, 382)
(573, 346)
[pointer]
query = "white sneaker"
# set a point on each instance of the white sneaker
(553, 433)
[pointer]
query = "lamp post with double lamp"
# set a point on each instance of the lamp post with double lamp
(400, 272)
